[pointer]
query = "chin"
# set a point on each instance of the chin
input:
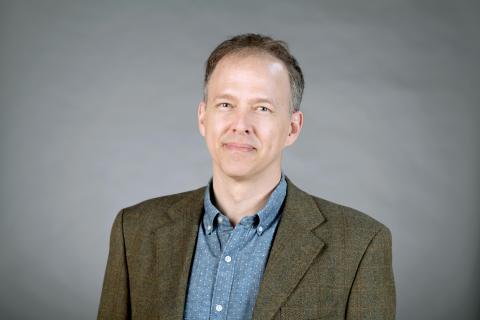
(236, 170)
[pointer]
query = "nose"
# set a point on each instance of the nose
(241, 123)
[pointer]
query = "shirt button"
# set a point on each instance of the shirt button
(220, 219)
(209, 227)
(218, 307)
(228, 258)
(260, 229)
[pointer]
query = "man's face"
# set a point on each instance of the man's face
(246, 120)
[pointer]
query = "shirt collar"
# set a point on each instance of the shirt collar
(266, 216)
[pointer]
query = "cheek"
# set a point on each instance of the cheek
(272, 137)
(278, 137)
(214, 128)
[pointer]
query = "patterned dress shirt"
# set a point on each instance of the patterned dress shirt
(229, 261)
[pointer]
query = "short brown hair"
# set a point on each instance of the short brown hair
(264, 44)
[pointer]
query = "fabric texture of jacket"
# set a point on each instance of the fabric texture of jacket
(327, 261)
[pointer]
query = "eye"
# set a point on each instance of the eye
(225, 105)
(263, 109)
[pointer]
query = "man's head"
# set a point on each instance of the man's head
(259, 44)
(246, 115)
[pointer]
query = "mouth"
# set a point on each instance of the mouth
(241, 147)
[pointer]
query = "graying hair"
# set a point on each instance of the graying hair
(251, 43)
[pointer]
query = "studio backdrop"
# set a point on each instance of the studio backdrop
(98, 111)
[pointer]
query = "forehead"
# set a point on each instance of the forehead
(250, 60)
(250, 74)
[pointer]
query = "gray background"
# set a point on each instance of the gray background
(98, 111)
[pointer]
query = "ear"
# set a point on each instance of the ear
(201, 117)
(296, 124)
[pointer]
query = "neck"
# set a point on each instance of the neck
(238, 198)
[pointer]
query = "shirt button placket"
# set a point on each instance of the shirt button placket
(226, 270)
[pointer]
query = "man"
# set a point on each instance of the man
(250, 244)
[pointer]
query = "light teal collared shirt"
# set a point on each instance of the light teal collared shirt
(229, 262)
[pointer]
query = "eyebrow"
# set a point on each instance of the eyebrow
(257, 100)
(224, 96)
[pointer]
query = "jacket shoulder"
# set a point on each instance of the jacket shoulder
(339, 216)
(350, 217)
(154, 211)
(352, 222)
(350, 232)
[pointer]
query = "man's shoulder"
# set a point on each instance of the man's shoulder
(344, 224)
(158, 207)
(162, 201)
(349, 228)
(339, 214)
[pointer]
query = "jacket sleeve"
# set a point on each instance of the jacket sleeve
(115, 301)
(372, 295)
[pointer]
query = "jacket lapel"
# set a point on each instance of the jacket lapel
(294, 248)
(175, 243)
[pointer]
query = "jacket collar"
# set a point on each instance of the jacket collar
(294, 248)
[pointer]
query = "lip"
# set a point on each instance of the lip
(239, 147)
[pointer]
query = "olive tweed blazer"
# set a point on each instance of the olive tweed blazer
(327, 261)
